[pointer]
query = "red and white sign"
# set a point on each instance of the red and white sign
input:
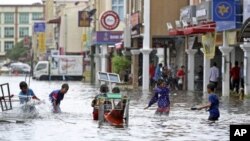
(110, 20)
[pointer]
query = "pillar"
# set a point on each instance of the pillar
(206, 71)
(225, 71)
(190, 77)
(135, 67)
(168, 57)
(160, 55)
(145, 69)
(104, 61)
(146, 45)
(97, 63)
(246, 48)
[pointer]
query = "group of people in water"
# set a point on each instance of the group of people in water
(161, 96)
(55, 96)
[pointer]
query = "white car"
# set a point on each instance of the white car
(20, 67)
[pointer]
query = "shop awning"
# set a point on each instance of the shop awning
(200, 29)
(55, 21)
(194, 29)
(173, 32)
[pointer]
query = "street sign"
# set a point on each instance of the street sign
(110, 20)
(39, 27)
(225, 14)
(41, 43)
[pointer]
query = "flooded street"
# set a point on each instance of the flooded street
(75, 122)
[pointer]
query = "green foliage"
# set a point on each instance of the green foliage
(18, 51)
(120, 63)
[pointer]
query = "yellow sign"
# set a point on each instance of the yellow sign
(208, 43)
(41, 42)
(84, 37)
(87, 75)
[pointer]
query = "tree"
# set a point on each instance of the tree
(120, 63)
(17, 52)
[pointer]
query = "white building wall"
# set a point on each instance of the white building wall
(29, 9)
(70, 34)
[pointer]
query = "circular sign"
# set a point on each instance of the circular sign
(110, 20)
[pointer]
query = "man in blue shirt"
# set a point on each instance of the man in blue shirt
(57, 96)
(26, 94)
(213, 104)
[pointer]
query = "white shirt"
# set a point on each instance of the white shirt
(214, 74)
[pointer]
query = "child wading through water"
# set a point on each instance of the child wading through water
(25, 96)
(26, 93)
(213, 104)
(162, 97)
(57, 96)
(95, 103)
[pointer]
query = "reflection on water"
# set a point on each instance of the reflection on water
(75, 122)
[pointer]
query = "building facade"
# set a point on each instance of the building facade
(16, 22)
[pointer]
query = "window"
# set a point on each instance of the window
(23, 18)
(9, 18)
(23, 31)
(118, 7)
(9, 32)
(37, 16)
(8, 45)
(41, 67)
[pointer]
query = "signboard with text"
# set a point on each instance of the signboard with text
(225, 14)
(41, 43)
(107, 37)
(203, 11)
(39, 27)
(110, 20)
(83, 19)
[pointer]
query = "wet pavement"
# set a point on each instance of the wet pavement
(75, 122)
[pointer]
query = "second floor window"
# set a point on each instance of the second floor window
(9, 32)
(9, 18)
(8, 45)
(23, 31)
(23, 18)
(118, 7)
(37, 16)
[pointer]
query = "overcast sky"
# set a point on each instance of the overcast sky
(19, 1)
(27, 1)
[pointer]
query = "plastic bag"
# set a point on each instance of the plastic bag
(180, 81)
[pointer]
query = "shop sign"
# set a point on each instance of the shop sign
(135, 21)
(225, 14)
(186, 13)
(110, 20)
(203, 11)
(107, 37)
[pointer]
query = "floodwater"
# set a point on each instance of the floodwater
(75, 122)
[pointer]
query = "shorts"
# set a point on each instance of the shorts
(215, 83)
(162, 111)
(95, 114)
(212, 118)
